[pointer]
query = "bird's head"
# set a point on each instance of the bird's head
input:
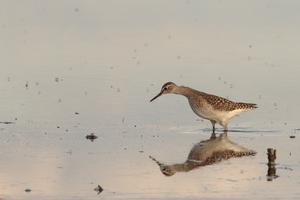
(167, 88)
(167, 170)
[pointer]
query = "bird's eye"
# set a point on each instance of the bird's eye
(165, 88)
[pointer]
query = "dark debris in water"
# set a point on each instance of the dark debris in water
(98, 189)
(292, 136)
(91, 137)
(26, 85)
(6, 122)
(27, 190)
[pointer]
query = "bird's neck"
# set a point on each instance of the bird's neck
(182, 90)
(184, 167)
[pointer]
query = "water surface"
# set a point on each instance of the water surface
(69, 70)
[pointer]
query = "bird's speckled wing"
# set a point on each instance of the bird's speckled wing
(222, 104)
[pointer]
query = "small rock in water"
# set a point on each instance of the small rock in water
(6, 122)
(98, 189)
(292, 136)
(91, 137)
(76, 113)
(26, 85)
(27, 190)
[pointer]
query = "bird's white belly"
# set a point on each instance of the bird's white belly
(207, 112)
(217, 116)
(204, 112)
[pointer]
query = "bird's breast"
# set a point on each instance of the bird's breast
(206, 111)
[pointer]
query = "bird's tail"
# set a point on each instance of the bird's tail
(246, 106)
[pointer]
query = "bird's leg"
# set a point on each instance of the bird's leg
(225, 129)
(214, 128)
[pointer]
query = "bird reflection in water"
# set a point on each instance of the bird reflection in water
(207, 152)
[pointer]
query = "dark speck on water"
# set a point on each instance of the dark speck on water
(6, 122)
(27, 190)
(98, 189)
(292, 136)
(91, 137)
(76, 113)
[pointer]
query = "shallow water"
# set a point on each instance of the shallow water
(70, 73)
(46, 149)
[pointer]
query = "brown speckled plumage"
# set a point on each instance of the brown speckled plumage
(211, 107)
(220, 103)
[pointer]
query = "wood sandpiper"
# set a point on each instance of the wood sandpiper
(214, 108)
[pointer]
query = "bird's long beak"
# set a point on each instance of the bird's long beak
(156, 96)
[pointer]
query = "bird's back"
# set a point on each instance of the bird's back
(220, 103)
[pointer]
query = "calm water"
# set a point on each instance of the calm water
(71, 70)
(45, 148)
